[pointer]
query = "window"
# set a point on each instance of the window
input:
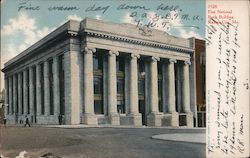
(120, 86)
(98, 81)
(97, 62)
(97, 85)
(120, 64)
(141, 87)
(120, 67)
(159, 68)
(141, 67)
(120, 106)
(159, 87)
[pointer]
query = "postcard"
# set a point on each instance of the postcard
(122, 78)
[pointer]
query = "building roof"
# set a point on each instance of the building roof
(124, 32)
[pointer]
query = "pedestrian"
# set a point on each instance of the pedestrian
(60, 119)
(27, 122)
(4, 121)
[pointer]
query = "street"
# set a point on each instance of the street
(96, 142)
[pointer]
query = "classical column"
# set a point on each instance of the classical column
(46, 89)
(89, 115)
(20, 101)
(154, 85)
(112, 88)
(171, 93)
(6, 104)
(186, 88)
(31, 92)
(56, 89)
(72, 80)
(186, 94)
(38, 90)
(133, 91)
(25, 92)
(153, 118)
(15, 95)
(171, 86)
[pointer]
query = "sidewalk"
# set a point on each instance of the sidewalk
(118, 126)
(183, 137)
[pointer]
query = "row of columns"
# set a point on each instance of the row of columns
(89, 116)
(22, 89)
(23, 94)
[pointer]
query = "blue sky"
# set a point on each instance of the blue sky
(20, 29)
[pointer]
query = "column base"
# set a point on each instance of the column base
(154, 119)
(90, 119)
(114, 119)
(174, 119)
(136, 119)
(190, 119)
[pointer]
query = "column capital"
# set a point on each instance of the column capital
(56, 57)
(155, 59)
(135, 56)
(187, 62)
(113, 52)
(88, 50)
(172, 61)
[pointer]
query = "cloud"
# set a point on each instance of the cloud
(44, 31)
(18, 34)
(74, 17)
(25, 26)
(70, 17)
(98, 17)
(128, 19)
(8, 52)
(21, 23)
(175, 26)
(188, 34)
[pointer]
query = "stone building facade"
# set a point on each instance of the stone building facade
(94, 72)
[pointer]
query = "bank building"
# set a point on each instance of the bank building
(94, 72)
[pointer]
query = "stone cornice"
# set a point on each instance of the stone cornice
(139, 42)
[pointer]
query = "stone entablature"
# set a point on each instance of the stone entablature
(131, 32)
